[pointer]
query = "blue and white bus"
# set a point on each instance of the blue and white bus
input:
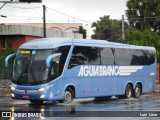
(64, 69)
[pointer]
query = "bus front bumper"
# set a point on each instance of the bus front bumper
(45, 95)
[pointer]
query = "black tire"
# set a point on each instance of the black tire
(68, 96)
(128, 91)
(137, 91)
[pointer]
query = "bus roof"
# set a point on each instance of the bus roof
(48, 43)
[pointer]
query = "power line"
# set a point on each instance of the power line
(49, 9)
(23, 7)
(142, 18)
(146, 20)
(68, 15)
(52, 10)
(21, 16)
(3, 5)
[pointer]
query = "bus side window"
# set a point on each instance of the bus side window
(54, 71)
(76, 60)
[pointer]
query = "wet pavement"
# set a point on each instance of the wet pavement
(145, 107)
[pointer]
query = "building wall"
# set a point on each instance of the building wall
(56, 26)
(12, 36)
(29, 38)
(14, 41)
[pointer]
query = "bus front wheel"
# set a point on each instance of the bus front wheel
(137, 91)
(128, 91)
(68, 96)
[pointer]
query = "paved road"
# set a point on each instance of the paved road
(148, 104)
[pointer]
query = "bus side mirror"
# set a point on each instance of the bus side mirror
(54, 57)
(8, 58)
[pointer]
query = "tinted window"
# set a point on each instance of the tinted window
(123, 56)
(64, 50)
(110, 56)
(82, 55)
(134, 57)
(143, 57)
(107, 56)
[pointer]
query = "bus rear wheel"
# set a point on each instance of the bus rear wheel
(137, 91)
(128, 91)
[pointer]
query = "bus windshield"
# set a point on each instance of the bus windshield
(30, 66)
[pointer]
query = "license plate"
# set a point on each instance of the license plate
(25, 96)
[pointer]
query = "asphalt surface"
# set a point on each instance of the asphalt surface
(145, 107)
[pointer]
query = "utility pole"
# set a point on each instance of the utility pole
(123, 35)
(44, 21)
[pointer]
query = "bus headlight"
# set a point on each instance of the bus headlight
(41, 89)
(42, 96)
(13, 95)
(45, 88)
(12, 88)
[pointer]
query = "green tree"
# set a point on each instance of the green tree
(83, 32)
(107, 29)
(6, 72)
(144, 14)
(144, 38)
(5, 52)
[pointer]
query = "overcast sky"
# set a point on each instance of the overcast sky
(87, 10)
